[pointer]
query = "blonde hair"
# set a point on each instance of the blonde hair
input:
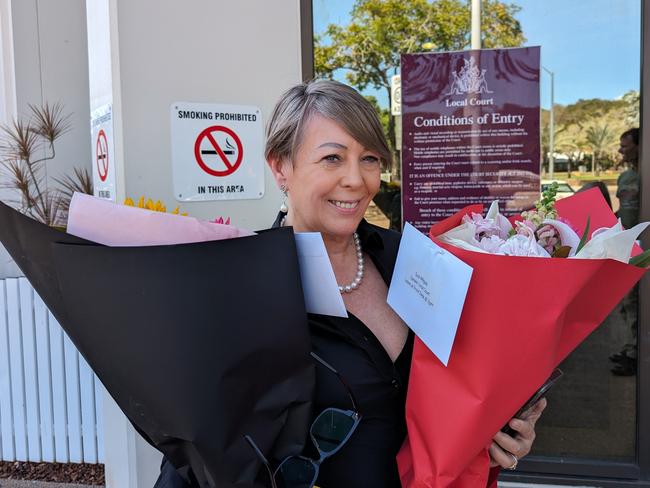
(330, 99)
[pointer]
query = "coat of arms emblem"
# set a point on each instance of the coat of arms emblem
(469, 79)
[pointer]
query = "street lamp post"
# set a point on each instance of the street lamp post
(551, 126)
(476, 24)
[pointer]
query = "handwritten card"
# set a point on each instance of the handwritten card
(428, 290)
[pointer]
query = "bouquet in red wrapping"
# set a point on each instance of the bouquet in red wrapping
(522, 316)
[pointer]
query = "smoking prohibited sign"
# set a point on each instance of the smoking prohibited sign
(216, 151)
(103, 151)
(101, 156)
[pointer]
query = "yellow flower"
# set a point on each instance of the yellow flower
(150, 205)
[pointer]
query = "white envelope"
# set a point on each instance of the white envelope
(322, 295)
(428, 290)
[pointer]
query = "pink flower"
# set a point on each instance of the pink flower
(565, 234)
(548, 237)
(487, 227)
(220, 220)
(525, 227)
(491, 244)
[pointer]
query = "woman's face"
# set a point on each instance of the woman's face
(331, 181)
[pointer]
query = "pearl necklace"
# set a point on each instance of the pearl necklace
(360, 266)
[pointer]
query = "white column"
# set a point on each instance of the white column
(476, 24)
(144, 55)
(129, 461)
(7, 75)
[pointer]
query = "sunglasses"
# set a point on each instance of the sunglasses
(329, 432)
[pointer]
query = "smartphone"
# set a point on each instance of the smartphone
(538, 395)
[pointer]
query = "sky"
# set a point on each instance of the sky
(592, 46)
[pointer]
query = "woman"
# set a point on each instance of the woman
(325, 147)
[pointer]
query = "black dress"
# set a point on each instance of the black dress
(368, 458)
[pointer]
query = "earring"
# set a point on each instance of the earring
(283, 207)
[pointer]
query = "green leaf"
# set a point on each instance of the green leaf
(585, 235)
(642, 260)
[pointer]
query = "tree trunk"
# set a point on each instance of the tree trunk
(395, 165)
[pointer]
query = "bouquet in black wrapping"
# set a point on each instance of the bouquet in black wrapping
(199, 344)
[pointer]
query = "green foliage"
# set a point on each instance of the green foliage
(585, 236)
(546, 204)
(582, 111)
(499, 26)
(632, 101)
(384, 113)
(589, 129)
(601, 138)
(642, 260)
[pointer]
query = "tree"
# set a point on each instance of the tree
(384, 113)
(583, 111)
(632, 101)
(601, 139)
(369, 47)
(561, 144)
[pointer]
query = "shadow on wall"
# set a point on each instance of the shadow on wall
(8, 268)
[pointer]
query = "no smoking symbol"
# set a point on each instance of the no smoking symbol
(218, 151)
(101, 158)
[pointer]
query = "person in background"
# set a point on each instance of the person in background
(628, 184)
(628, 191)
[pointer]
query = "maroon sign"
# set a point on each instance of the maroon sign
(470, 132)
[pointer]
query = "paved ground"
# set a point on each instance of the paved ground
(38, 484)
(375, 216)
(526, 485)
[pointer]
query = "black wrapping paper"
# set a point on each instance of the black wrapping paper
(198, 344)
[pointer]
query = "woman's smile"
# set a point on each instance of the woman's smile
(347, 206)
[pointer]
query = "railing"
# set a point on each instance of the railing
(50, 400)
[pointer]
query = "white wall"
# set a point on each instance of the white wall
(44, 59)
(244, 52)
(51, 65)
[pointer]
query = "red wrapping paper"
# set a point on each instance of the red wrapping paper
(522, 316)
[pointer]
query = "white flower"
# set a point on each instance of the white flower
(491, 244)
(520, 245)
(612, 243)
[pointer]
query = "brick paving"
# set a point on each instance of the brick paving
(5, 483)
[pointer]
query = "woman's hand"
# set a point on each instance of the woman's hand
(506, 451)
